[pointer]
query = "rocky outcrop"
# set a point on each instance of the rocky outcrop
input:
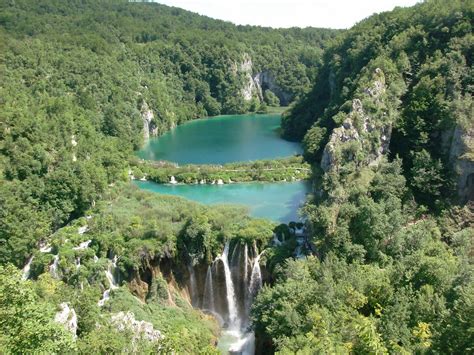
(149, 127)
(461, 156)
(363, 138)
(265, 80)
(140, 329)
(68, 318)
(251, 88)
(256, 84)
(138, 288)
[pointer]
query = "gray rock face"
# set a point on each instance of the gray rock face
(147, 117)
(251, 87)
(140, 329)
(256, 84)
(265, 80)
(461, 155)
(68, 318)
(356, 128)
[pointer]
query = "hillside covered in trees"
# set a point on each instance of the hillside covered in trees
(384, 113)
(81, 81)
(388, 127)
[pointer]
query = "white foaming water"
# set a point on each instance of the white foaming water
(53, 268)
(82, 230)
(192, 284)
(109, 274)
(256, 278)
(208, 300)
(246, 262)
(26, 269)
(245, 345)
(235, 337)
(83, 245)
(229, 284)
(173, 180)
(46, 249)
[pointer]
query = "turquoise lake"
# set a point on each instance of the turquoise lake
(221, 139)
(276, 201)
(227, 139)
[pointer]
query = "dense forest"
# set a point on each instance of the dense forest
(388, 128)
(80, 79)
(384, 113)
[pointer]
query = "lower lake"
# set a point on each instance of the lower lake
(276, 201)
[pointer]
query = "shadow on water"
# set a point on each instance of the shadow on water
(293, 206)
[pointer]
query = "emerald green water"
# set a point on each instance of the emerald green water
(275, 201)
(220, 140)
(228, 139)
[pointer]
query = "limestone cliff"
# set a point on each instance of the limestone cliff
(256, 84)
(265, 80)
(250, 89)
(149, 126)
(364, 135)
(461, 156)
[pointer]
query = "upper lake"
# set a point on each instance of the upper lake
(222, 139)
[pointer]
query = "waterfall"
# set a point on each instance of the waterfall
(109, 274)
(78, 263)
(82, 230)
(46, 248)
(53, 268)
(208, 300)
(26, 269)
(192, 284)
(229, 284)
(246, 263)
(256, 278)
(83, 245)
(173, 180)
(240, 280)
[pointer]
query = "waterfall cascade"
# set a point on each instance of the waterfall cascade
(27, 268)
(109, 274)
(53, 268)
(208, 302)
(192, 284)
(173, 180)
(232, 281)
(256, 278)
(83, 245)
(230, 293)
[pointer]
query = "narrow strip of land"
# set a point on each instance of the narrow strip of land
(284, 169)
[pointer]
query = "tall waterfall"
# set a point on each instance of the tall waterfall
(53, 268)
(26, 269)
(227, 291)
(192, 284)
(208, 302)
(246, 262)
(256, 278)
(109, 274)
(229, 285)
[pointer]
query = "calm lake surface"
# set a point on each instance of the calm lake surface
(276, 201)
(222, 139)
(227, 139)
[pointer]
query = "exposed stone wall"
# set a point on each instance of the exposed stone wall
(256, 84)
(461, 156)
(357, 127)
(149, 127)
